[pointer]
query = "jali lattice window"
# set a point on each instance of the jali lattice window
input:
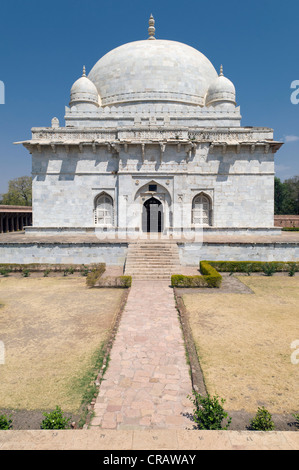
(104, 213)
(201, 210)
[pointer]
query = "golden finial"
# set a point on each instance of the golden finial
(221, 71)
(151, 29)
(84, 71)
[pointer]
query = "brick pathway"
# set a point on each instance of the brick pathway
(147, 381)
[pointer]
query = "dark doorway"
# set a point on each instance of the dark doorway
(152, 216)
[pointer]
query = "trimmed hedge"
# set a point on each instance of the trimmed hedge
(253, 266)
(290, 229)
(209, 278)
(212, 278)
(114, 281)
(40, 267)
(95, 274)
(210, 274)
(179, 280)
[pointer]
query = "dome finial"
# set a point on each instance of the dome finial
(221, 71)
(151, 29)
(84, 71)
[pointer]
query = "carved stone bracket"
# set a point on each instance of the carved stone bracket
(162, 150)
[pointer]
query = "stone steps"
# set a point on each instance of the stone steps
(152, 260)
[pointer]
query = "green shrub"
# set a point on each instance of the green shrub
(262, 421)
(292, 270)
(125, 281)
(290, 229)
(25, 272)
(179, 280)
(5, 422)
(236, 266)
(115, 281)
(247, 269)
(94, 275)
(269, 269)
(253, 266)
(208, 412)
(47, 272)
(296, 416)
(209, 278)
(84, 270)
(4, 272)
(55, 420)
(210, 274)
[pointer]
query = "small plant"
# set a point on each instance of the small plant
(125, 281)
(71, 270)
(247, 269)
(262, 421)
(208, 412)
(296, 416)
(5, 422)
(292, 270)
(65, 272)
(4, 272)
(25, 272)
(84, 270)
(47, 272)
(269, 269)
(55, 420)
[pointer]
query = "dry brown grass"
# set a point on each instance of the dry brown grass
(51, 329)
(243, 342)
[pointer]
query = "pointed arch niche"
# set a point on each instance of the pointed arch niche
(104, 210)
(154, 190)
(202, 210)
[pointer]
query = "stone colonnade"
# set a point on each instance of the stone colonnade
(14, 218)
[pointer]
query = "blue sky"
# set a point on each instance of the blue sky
(43, 46)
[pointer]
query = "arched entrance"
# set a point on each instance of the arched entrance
(152, 216)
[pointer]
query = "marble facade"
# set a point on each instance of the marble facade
(152, 142)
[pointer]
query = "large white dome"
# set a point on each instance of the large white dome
(157, 70)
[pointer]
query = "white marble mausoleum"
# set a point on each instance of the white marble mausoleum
(152, 142)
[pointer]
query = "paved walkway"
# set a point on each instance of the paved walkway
(147, 381)
(177, 440)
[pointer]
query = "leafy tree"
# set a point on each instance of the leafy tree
(278, 195)
(286, 196)
(19, 192)
(292, 190)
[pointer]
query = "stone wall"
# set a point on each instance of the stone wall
(64, 253)
(192, 253)
(286, 220)
(114, 253)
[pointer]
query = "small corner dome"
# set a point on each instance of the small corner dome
(84, 91)
(221, 90)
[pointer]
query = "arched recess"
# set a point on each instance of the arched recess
(104, 210)
(152, 216)
(149, 191)
(202, 210)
